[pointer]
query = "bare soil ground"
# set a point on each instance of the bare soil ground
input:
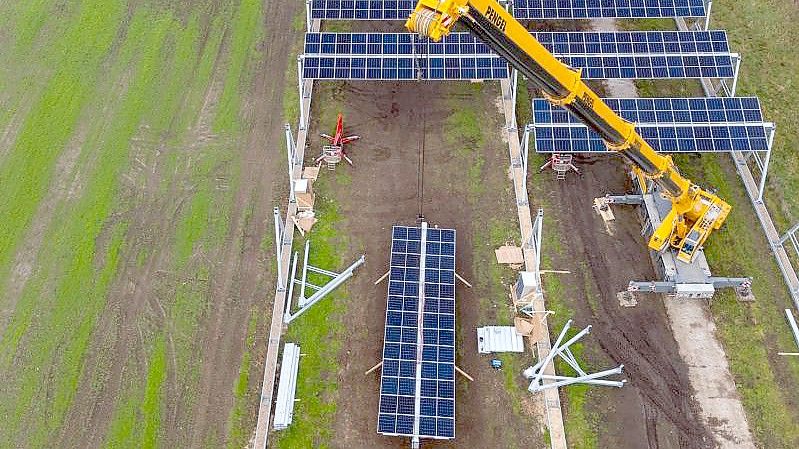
(655, 409)
(393, 119)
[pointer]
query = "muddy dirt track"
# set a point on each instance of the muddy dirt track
(655, 410)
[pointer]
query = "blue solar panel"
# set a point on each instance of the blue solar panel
(601, 55)
(522, 9)
(682, 138)
(583, 9)
(419, 362)
(668, 124)
(664, 110)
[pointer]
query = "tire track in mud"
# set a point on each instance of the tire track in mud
(639, 337)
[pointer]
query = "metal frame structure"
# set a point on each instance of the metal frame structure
(537, 376)
(320, 292)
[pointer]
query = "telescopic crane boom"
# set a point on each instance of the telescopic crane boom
(695, 212)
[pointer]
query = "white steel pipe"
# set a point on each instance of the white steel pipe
(541, 365)
(301, 300)
(794, 328)
(308, 16)
(788, 233)
(301, 91)
(601, 382)
(536, 387)
(290, 293)
(557, 349)
(764, 172)
(279, 249)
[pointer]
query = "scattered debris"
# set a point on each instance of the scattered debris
(510, 255)
(305, 220)
(627, 299)
(530, 327)
(463, 373)
(496, 364)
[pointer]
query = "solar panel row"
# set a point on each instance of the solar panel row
(562, 43)
(462, 56)
(522, 9)
(663, 138)
(668, 124)
(664, 110)
(627, 42)
(583, 9)
(419, 341)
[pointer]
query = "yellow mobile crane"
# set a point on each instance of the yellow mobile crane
(695, 212)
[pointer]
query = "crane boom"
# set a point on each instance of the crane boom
(695, 213)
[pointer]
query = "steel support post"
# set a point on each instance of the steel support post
(538, 230)
(794, 327)
(301, 91)
(279, 249)
(764, 172)
(735, 74)
(707, 15)
(308, 16)
(290, 294)
(514, 82)
(290, 142)
(301, 301)
(291, 161)
(528, 129)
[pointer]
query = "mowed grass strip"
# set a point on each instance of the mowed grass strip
(26, 171)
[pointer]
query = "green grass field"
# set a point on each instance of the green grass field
(111, 84)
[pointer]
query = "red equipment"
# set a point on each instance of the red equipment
(333, 153)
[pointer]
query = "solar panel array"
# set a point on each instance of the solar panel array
(668, 124)
(583, 9)
(399, 56)
(522, 9)
(664, 110)
(418, 374)
(601, 55)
